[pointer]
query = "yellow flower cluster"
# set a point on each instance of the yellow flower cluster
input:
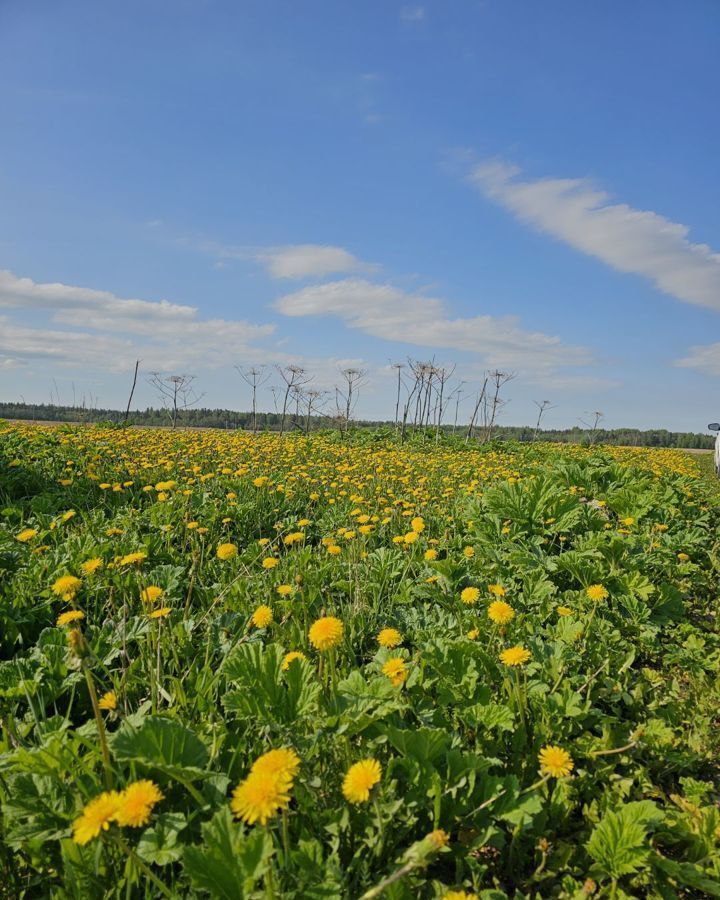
(266, 790)
(131, 807)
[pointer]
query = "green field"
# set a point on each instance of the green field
(247, 666)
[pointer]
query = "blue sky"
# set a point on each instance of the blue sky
(489, 183)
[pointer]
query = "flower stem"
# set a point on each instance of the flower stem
(286, 839)
(144, 868)
(100, 726)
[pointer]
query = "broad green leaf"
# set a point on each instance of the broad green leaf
(425, 745)
(36, 807)
(229, 862)
(162, 744)
(489, 715)
(618, 843)
(264, 691)
(687, 875)
(159, 843)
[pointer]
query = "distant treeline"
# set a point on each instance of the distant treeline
(230, 419)
(626, 437)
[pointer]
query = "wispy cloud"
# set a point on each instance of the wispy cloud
(308, 261)
(290, 261)
(412, 13)
(98, 328)
(387, 312)
(630, 240)
(704, 358)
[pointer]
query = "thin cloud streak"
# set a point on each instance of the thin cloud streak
(629, 240)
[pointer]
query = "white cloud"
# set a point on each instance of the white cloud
(110, 332)
(307, 260)
(8, 362)
(704, 358)
(24, 293)
(387, 312)
(412, 13)
(630, 240)
(290, 261)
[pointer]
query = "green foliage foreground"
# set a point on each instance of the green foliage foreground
(183, 568)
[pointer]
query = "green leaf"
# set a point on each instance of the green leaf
(303, 691)
(257, 671)
(618, 843)
(422, 744)
(489, 715)
(83, 878)
(264, 691)
(162, 744)
(159, 844)
(686, 874)
(229, 862)
(36, 808)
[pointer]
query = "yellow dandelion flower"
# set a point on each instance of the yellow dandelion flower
(418, 524)
(91, 565)
(283, 761)
(226, 551)
(389, 637)
(132, 558)
(431, 554)
(515, 656)
(470, 595)
(473, 634)
(262, 617)
(410, 537)
(396, 670)
(67, 587)
(136, 803)
(260, 796)
(151, 594)
(683, 557)
(75, 615)
(334, 549)
(285, 590)
(459, 895)
(108, 700)
(96, 817)
(326, 633)
(290, 658)
(270, 562)
(500, 612)
(360, 779)
(438, 838)
(160, 613)
(555, 761)
(497, 590)
(27, 534)
(597, 592)
(468, 552)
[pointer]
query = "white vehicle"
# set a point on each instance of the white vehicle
(715, 426)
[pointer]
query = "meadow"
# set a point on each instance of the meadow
(240, 665)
